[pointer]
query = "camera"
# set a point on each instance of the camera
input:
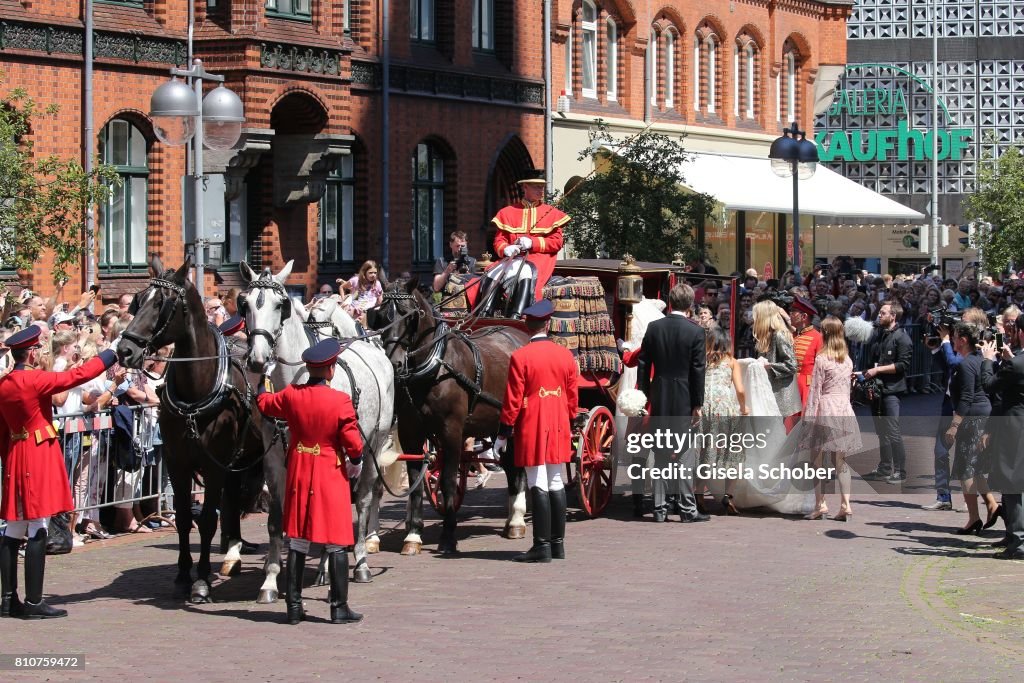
(781, 299)
(462, 260)
(939, 317)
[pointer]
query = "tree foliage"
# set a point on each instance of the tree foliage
(997, 209)
(635, 201)
(43, 199)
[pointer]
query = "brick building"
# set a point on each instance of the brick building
(729, 74)
(306, 180)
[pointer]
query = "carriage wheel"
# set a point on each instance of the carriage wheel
(595, 462)
(432, 480)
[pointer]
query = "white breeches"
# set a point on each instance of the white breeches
(513, 268)
(301, 545)
(545, 477)
(26, 528)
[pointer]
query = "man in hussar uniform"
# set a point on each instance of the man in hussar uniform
(35, 483)
(538, 410)
(528, 227)
(325, 454)
(807, 343)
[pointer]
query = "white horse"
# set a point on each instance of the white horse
(277, 338)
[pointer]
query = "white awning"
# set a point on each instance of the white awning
(749, 184)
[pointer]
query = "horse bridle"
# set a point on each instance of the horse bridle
(262, 284)
(167, 310)
(405, 339)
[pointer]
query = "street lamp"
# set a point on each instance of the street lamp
(181, 113)
(797, 158)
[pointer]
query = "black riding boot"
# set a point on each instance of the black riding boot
(337, 566)
(541, 550)
(35, 568)
(522, 296)
(10, 605)
(486, 295)
(638, 505)
(557, 524)
(293, 579)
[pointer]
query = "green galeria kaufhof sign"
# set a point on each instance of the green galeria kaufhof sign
(865, 137)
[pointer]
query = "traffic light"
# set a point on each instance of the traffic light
(969, 231)
(913, 240)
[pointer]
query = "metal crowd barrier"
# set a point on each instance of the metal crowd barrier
(924, 375)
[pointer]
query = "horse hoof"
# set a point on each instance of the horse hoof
(362, 574)
(321, 579)
(372, 546)
(267, 596)
(182, 591)
(412, 548)
(515, 532)
(200, 593)
(231, 568)
(448, 548)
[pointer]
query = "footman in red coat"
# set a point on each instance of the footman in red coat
(35, 483)
(539, 407)
(325, 452)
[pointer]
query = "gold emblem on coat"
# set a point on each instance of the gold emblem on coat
(544, 393)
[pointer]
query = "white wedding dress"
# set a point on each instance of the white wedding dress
(782, 496)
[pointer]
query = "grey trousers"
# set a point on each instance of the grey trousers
(1014, 521)
(680, 487)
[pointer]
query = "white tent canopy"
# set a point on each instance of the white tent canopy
(749, 184)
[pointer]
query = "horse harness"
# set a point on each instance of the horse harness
(167, 310)
(262, 284)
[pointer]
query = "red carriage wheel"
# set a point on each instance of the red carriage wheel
(595, 462)
(432, 480)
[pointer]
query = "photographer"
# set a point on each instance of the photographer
(461, 262)
(892, 355)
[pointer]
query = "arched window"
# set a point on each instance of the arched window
(123, 218)
(698, 70)
(613, 60)
(421, 20)
(483, 25)
(589, 49)
(750, 80)
(711, 72)
(791, 110)
(427, 204)
(337, 214)
(670, 69)
(568, 64)
(652, 66)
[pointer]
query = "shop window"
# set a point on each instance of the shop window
(123, 218)
(427, 204)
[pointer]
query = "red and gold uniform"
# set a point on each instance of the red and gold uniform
(542, 223)
(806, 345)
(323, 431)
(540, 402)
(35, 482)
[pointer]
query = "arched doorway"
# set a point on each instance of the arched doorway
(509, 165)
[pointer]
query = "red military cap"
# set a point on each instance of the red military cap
(28, 338)
(232, 325)
(801, 304)
(542, 310)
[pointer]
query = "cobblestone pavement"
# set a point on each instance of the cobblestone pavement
(889, 594)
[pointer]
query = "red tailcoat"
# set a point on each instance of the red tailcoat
(317, 503)
(542, 223)
(806, 345)
(540, 402)
(35, 480)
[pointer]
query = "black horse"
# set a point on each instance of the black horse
(449, 386)
(208, 421)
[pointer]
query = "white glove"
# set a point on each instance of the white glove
(525, 242)
(499, 445)
(512, 250)
(353, 469)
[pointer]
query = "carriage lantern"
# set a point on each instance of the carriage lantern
(484, 262)
(630, 285)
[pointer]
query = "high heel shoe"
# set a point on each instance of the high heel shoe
(842, 516)
(973, 528)
(994, 517)
(817, 514)
(728, 508)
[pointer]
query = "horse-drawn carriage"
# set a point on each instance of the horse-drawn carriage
(589, 316)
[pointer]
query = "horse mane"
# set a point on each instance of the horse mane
(332, 311)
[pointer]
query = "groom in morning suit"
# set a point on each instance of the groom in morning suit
(674, 346)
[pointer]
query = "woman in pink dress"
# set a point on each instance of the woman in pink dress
(366, 291)
(829, 418)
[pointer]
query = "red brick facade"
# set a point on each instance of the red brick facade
(312, 93)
